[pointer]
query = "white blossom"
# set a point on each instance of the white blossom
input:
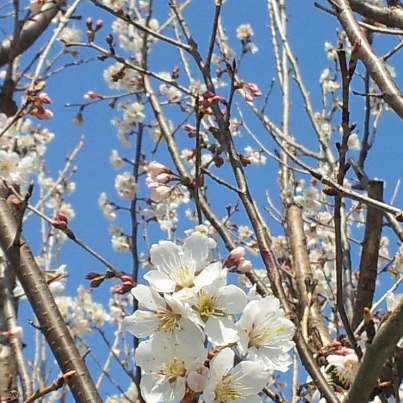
(265, 334)
(214, 301)
(165, 368)
(126, 186)
(177, 266)
(166, 318)
(229, 384)
(115, 160)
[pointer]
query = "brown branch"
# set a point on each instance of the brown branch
(30, 32)
(389, 16)
(15, 342)
(369, 255)
(45, 308)
(57, 384)
(377, 354)
(376, 67)
(303, 272)
(340, 251)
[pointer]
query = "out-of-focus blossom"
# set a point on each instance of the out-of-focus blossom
(126, 186)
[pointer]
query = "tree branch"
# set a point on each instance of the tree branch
(390, 93)
(303, 272)
(389, 16)
(30, 32)
(369, 255)
(44, 306)
(375, 357)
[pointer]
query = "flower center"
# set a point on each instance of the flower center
(5, 166)
(168, 321)
(184, 277)
(262, 335)
(174, 369)
(227, 389)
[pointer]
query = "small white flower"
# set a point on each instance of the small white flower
(120, 243)
(166, 318)
(126, 186)
(346, 366)
(115, 160)
(227, 383)
(10, 169)
(176, 266)
(354, 142)
(265, 334)
(108, 210)
(214, 302)
(256, 157)
(69, 34)
(244, 32)
(133, 113)
(165, 368)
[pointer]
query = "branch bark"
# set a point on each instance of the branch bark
(389, 16)
(44, 306)
(30, 32)
(376, 67)
(375, 357)
(369, 255)
(303, 272)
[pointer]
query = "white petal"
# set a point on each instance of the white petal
(147, 297)
(141, 323)
(144, 357)
(160, 389)
(196, 247)
(222, 363)
(231, 299)
(213, 273)
(251, 375)
(165, 255)
(221, 331)
(160, 281)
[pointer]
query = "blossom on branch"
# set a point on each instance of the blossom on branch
(265, 334)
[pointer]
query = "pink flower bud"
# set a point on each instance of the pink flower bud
(44, 98)
(163, 178)
(245, 266)
(155, 168)
(44, 114)
(235, 257)
(15, 332)
(238, 252)
(62, 217)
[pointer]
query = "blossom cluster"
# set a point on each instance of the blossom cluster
(201, 336)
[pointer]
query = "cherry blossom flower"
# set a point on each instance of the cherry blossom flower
(166, 318)
(13, 169)
(265, 334)
(165, 368)
(227, 383)
(255, 157)
(346, 365)
(121, 243)
(115, 160)
(214, 301)
(126, 186)
(108, 211)
(176, 266)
